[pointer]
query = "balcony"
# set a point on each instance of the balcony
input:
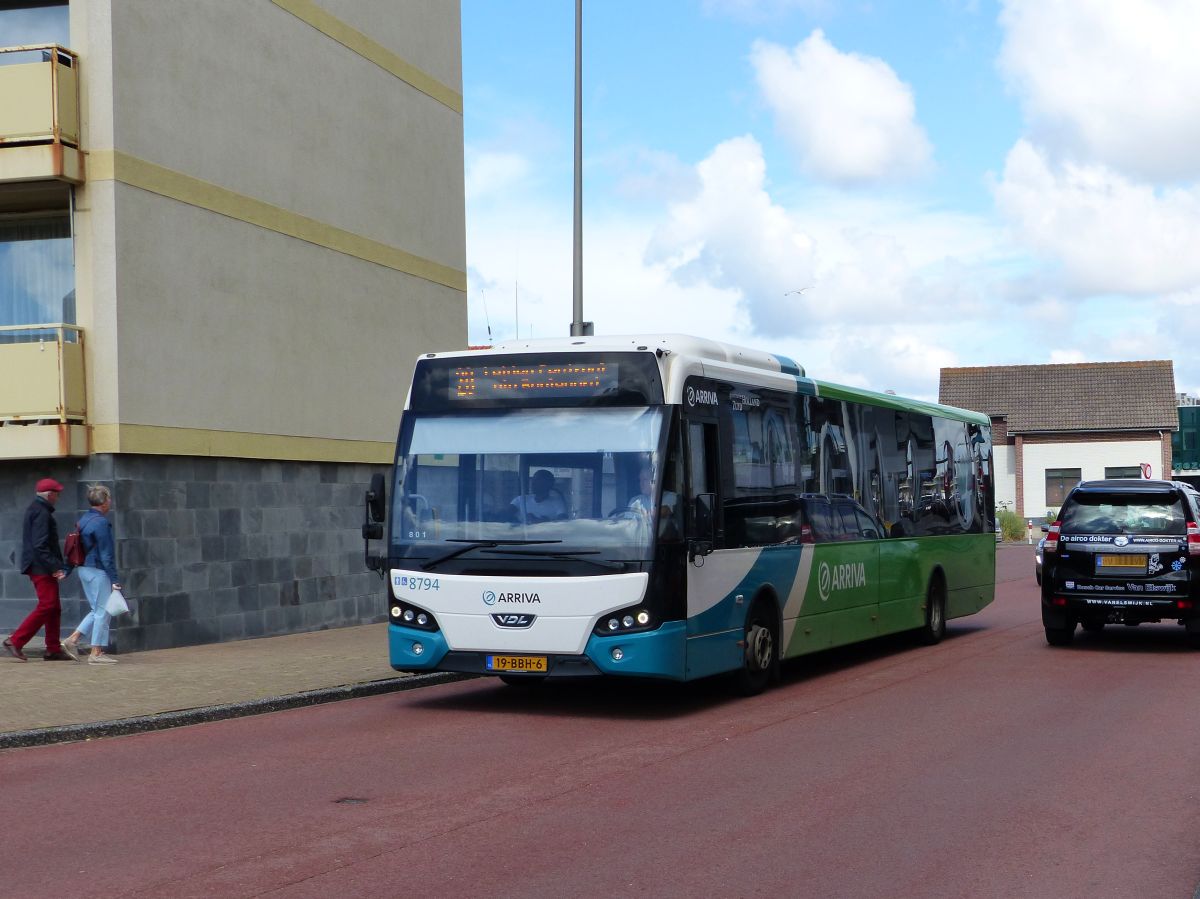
(43, 402)
(39, 115)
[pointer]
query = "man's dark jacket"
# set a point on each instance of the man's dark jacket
(40, 552)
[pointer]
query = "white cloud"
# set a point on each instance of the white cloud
(848, 117)
(1115, 83)
(493, 173)
(732, 236)
(651, 175)
(893, 291)
(1110, 234)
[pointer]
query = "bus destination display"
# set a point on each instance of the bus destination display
(566, 380)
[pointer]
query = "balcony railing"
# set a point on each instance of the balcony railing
(43, 392)
(39, 114)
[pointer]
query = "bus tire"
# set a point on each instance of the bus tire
(523, 680)
(760, 656)
(934, 628)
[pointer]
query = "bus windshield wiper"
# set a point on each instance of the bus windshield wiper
(572, 554)
(477, 544)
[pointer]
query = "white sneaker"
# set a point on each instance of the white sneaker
(101, 660)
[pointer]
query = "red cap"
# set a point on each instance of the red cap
(46, 484)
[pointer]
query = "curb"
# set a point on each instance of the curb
(67, 733)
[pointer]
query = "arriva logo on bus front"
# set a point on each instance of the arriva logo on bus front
(840, 577)
(490, 597)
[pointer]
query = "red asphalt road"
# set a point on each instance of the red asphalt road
(990, 765)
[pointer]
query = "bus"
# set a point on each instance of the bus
(669, 507)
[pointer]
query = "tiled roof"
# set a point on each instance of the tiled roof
(1088, 396)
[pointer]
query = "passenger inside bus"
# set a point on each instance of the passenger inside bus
(545, 503)
(643, 505)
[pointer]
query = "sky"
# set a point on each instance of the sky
(874, 188)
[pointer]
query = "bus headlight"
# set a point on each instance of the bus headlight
(411, 616)
(625, 621)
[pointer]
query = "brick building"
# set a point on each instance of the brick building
(1055, 425)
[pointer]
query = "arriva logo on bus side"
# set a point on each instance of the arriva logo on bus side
(701, 397)
(840, 577)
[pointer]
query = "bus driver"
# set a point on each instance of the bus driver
(545, 503)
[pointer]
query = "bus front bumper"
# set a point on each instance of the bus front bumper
(660, 653)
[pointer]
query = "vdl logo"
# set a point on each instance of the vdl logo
(489, 598)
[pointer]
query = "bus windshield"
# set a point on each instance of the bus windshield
(563, 479)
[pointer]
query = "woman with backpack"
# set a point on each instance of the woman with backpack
(97, 574)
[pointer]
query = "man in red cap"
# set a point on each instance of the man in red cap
(42, 560)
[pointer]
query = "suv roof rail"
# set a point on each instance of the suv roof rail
(1127, 483)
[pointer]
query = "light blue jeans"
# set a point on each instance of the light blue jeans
(96, 587)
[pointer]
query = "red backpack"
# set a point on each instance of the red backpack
(73, 550)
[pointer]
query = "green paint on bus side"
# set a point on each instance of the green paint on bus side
(888, 401)
(857, 591)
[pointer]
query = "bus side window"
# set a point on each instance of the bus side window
(849, 523)
(701, 474)
(867, 528)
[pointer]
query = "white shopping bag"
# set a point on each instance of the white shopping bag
(115, 604)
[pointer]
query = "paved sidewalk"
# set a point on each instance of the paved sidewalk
(45, 702)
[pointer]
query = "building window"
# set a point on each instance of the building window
(34, 22)
(37, 269)
(1059, 482)
(1123, 471)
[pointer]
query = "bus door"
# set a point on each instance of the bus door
(703, 500)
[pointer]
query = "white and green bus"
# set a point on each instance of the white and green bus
(669, 507)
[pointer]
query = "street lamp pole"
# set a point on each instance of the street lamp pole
(578, 326)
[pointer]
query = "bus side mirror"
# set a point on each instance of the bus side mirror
(703, 533)
(372, 529)
(377, 498)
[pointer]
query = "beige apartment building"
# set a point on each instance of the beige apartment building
(227, 228)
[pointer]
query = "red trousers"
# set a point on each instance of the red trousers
(48, 613)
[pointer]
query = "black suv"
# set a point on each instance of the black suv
(1122, 552)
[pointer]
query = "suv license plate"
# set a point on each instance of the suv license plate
(533, 664)
(1121, 563)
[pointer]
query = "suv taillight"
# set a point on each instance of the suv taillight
(1052, 537)
(1193, 537)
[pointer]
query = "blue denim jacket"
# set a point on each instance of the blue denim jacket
(96, 532)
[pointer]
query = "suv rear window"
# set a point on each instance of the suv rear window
(1124, 513)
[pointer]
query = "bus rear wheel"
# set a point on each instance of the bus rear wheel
(759, 650)
(934, 628)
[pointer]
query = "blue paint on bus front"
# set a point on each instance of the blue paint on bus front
(401, 641)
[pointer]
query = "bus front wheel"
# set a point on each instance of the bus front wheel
(760, 647)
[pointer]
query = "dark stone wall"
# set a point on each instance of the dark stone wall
(209, 549)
